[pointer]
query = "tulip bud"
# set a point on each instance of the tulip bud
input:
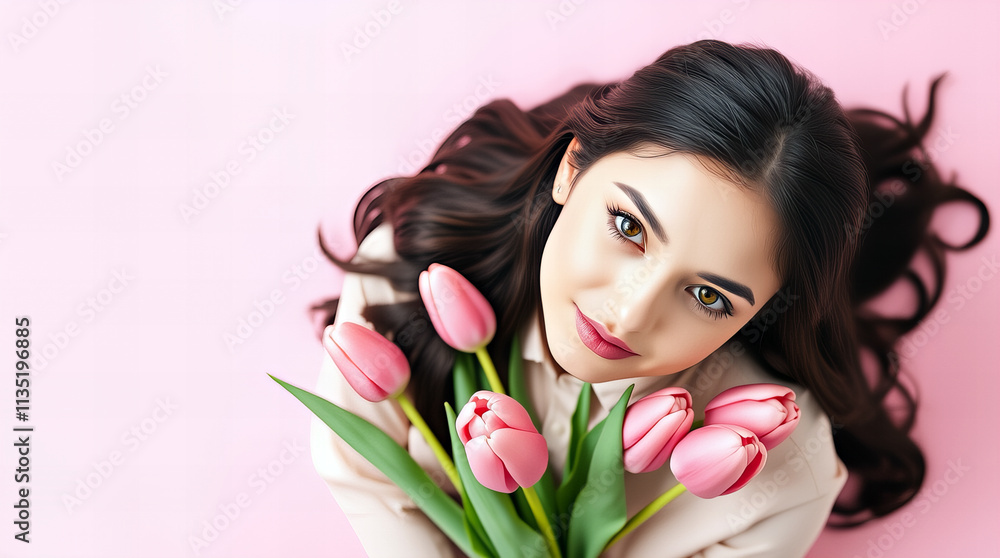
(374, 366)
(717, 459)
(767, 410)
(459, 312)
(504, 449)
(653, 426)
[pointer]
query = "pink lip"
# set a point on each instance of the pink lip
(597, 338)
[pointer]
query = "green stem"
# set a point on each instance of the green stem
(491, 371)
(446, 463)
(647, 512)
(543, 521)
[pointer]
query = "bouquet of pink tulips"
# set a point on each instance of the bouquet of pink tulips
(499, 461)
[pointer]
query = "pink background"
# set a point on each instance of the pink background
(147, 413)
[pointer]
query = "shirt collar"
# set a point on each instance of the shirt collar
(607, 393)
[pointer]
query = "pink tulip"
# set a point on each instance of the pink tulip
(459, 312)
(374, 366)
(504, 449)
(767, 410)
(653, 426)
(717, 459)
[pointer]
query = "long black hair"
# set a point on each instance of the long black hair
(483, 206)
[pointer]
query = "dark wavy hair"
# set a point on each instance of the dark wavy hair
(854, 191)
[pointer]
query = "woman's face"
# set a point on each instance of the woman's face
(653, 263)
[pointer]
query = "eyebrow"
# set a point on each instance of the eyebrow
(640, 202)
(739, 289)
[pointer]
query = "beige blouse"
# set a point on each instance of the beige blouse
(779, 513)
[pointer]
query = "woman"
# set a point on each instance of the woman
(705, 223)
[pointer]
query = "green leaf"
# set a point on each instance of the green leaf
(508, 534)
(599, 508)
(480, 542)
(516, 384)
(578, 428)
(573, 483)
(389, 457)
(464, 378)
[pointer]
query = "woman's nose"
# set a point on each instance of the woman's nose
(642, 295)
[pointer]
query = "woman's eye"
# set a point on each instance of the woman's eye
(712, 301)
(629, 228)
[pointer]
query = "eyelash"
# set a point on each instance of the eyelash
(711, 312)
(614, 211)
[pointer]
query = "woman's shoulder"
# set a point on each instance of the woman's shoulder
(779, 512)
(805, 466)
(377, 246)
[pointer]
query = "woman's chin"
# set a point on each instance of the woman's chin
(595, 372)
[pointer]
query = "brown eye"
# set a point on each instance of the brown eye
(629, 228)
(710, 301)
(707, 296)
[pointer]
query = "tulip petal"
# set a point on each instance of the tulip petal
(780, 433)
(464, 419)
(352, 373)
(478, 427)
(427, 295)
(512, 413)
(374, 366)
(755, 392)
(757, 456)
(524, 454)
(487, 467)
(709, 460)
(645, 413)
(460, 314)
(760, 417)
(379, 359)
(769, 410)
(492, 422)
(652, 450)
